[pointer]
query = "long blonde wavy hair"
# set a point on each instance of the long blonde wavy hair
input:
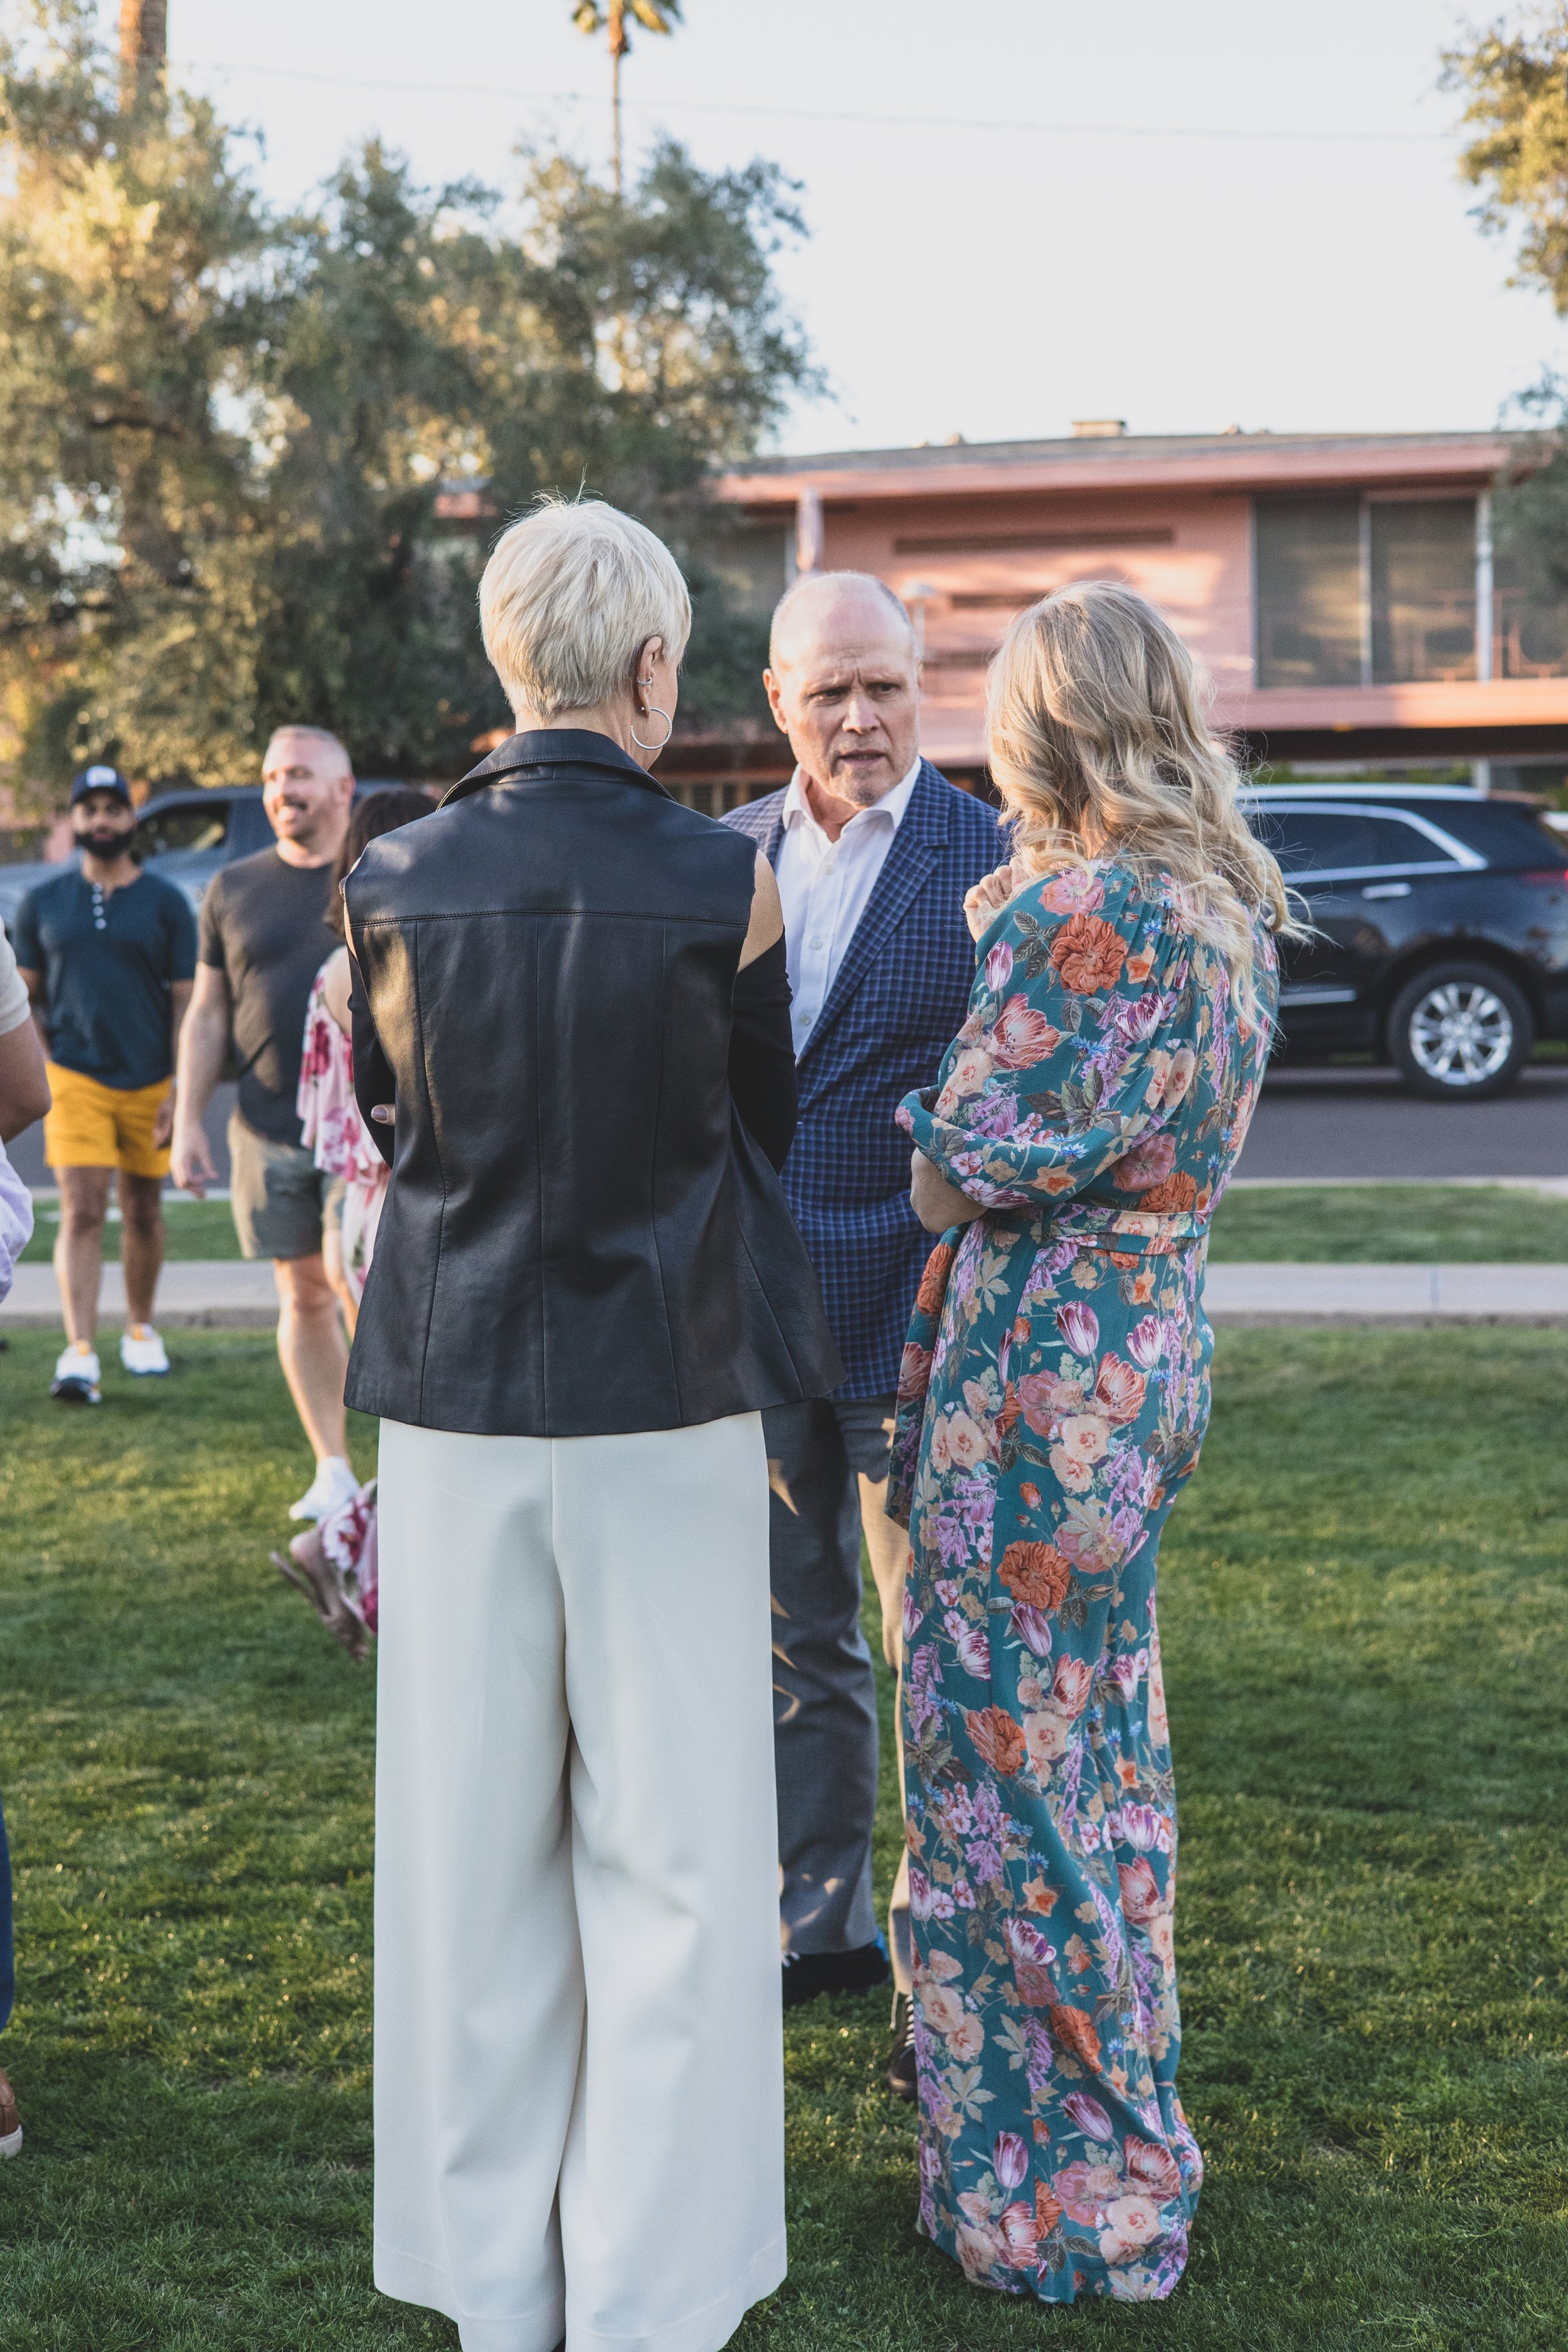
(1100, 747)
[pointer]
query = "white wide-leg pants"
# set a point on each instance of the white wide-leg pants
(579, 2067)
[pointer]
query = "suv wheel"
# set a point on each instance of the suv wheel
(1461, 1032)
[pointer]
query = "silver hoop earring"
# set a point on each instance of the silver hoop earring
(669, 732)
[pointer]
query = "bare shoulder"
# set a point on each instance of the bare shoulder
(766, 925)
(335, 978)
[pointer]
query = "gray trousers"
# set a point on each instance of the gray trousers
(825, 1698)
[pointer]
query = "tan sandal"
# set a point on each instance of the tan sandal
(10, 2121)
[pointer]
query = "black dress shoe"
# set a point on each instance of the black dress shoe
(900, 2075)
(806, 1974)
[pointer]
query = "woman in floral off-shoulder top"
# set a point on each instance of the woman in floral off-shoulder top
(334, 1564)
(1054, 1399)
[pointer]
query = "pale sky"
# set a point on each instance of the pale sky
(1059, 244)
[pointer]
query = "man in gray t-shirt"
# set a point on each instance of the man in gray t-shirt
(263, 938)
(264, 926)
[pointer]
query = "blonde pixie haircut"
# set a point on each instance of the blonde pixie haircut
(1101, 748)
(569, 595)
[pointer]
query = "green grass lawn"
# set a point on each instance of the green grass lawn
(1382, 1224)
(1365, 1605)
(1361, 1223)
(196, 1229)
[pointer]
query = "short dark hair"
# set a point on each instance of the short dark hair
(373, 815)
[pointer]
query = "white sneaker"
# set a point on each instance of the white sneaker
(333, 1485)
(142, 1351)
(77, 1376)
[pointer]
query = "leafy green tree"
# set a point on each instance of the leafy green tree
(131, 295)
(232, 437)
(622, 347)
(1515, 80)
(1514, 76)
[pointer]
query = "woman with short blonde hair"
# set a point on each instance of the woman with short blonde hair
(567, 590)
(572, 1014)
(1084, 1124)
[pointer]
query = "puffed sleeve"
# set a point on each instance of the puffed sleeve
(1079, 1042)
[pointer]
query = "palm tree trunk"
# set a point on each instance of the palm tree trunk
(143, 50)
(619, 45)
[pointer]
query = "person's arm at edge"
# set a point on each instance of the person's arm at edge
(27, 947)
(24, 1082)
(23, 1049)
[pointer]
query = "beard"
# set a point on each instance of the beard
(102, 842)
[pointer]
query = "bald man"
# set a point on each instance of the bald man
(263, 937)
(874, 850)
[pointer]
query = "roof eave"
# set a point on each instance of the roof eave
(1450, 461)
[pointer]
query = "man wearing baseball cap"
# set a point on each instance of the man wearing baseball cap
(109, 954)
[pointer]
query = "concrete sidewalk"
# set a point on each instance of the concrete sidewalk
(225, 1297)
(1410, 1295)
(236, 1296)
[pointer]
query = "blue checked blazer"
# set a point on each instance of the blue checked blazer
(897, 1001)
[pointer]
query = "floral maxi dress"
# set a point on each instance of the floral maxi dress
(1054, 1397)
(332, 1130)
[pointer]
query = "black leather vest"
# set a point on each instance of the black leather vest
(579, 1236)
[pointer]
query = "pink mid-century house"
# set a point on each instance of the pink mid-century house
(1342, 588)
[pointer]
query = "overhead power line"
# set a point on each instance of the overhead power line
(1269, 133)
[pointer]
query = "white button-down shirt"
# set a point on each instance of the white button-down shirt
(824, 886)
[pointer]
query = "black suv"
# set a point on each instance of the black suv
(1439, 923)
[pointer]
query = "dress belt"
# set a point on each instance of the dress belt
(1122, 1233)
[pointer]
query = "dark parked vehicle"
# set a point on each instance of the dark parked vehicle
(1439, 929)
(186, 837)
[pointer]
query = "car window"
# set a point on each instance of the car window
(1394, 843)
(183, 827)
(1336, 841)
(1505, 833)
(248, 827)
(1315, 841)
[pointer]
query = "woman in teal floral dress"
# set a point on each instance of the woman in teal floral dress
(1054, 1399)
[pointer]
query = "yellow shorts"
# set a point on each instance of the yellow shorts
(95, 1126)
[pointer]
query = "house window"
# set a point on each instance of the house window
(1308, 571)
(1356, 590)
(1423, 584)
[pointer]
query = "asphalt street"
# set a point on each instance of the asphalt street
(1361, 1122)
(1309, 1124)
